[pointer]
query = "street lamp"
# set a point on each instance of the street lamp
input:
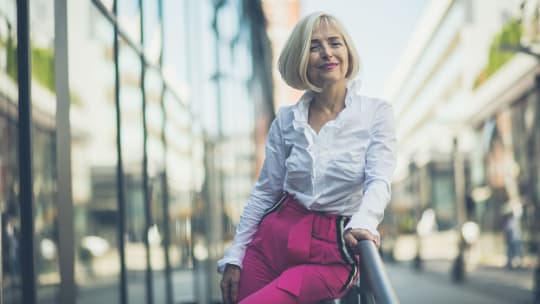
(458, 267)
(414, 173)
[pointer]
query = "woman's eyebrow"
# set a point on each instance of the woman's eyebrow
(334, 38)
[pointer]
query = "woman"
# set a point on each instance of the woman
(325, 180)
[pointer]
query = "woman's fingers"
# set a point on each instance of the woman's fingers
(229, 284)
(234, 291)
(225, 290)
(350, 239)
(352, 236)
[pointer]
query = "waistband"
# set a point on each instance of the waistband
(299, 244)
(291, 202)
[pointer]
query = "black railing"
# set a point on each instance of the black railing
(373, 286)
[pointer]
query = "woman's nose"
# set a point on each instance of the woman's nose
(326, 52)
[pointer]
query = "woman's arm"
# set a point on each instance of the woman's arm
(380, 165)
(263, 196)
(265, 192)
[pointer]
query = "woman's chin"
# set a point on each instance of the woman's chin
(331, 81)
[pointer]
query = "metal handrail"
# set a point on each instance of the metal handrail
(373, 285)
(372, 270)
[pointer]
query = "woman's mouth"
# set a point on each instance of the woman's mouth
(329, 66)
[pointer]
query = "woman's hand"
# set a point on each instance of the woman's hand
(229, 284)
(353, 236)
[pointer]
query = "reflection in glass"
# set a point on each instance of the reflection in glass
(94, 153)
(175, 57)
(156, 167)
(151, 31)
(132, 157)
(180, 172)
(44, 150)
(129, 18)
(9, 167)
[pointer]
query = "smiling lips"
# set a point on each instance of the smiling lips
(328, 66)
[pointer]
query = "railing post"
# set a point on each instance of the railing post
(366, 295)
(373, 276)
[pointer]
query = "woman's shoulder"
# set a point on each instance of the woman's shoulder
(285, 114)
(365, 102)
(372, 103)
(372, 109)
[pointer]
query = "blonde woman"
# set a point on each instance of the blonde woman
(325, 181)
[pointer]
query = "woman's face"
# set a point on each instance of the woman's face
(328, 57)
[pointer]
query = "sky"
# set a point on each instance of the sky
(380, 30)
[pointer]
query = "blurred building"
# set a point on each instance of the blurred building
(466, 112)
(140, 150)
(281, 17)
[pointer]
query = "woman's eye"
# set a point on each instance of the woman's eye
(313, 47)
(336, 44)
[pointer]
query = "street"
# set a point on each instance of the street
(430, 287)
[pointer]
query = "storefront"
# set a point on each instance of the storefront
(504, 173)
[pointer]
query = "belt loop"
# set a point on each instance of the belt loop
(284, 197)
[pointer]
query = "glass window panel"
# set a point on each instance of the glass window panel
(174, 33)
(178, 141)
(156, 167)
(129, 19)
(180, 186)
(443, 198)
(151, 30)
(197, 157)
(94, 153)
(132, 156)
(9, 167)
(44, 149)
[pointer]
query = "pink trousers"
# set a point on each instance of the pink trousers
(296, 256)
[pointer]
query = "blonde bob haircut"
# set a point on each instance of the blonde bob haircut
(293, 60)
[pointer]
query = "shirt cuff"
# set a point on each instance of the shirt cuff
(221, 264)
(364, 221)
(233, 255)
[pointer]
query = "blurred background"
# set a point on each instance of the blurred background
(132, 131)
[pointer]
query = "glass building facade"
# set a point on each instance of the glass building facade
(123, 160)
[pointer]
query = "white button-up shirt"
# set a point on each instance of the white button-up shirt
(346, 169)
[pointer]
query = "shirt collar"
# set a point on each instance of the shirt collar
(301, 108)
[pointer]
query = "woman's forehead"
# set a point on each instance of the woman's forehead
(325, 29)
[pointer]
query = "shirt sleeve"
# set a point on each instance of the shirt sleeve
(380, 165)
(263, 196)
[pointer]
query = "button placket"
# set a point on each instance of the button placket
(324, 148)
(317, 165)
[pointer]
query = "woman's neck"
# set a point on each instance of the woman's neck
(331, 100)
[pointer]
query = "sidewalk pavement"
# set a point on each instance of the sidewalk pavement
(515, 285)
